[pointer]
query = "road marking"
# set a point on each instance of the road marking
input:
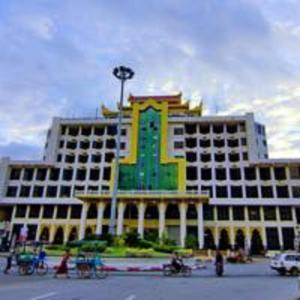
(45, 296)
(131, 297)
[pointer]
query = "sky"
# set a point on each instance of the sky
(237, 56)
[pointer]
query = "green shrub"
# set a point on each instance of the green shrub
(191, 241)
(93, 247)
(118, 241)
(165, 248)
(151, 235)
(132, 238)
(145, 244)
(56, 247)
(141, 253)
(185, 252)
(165, 240)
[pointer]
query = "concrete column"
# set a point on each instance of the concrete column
(83, 220)
(120, 220)
(264, 237)
(141, 217)
(51, 233)
(100, 209)
(280, 237)
(231, 236)
(183, 210)
(248, 238)
(66, 233)
(11, 225)
(162, 218)
(200, 225)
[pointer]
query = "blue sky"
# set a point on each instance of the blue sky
(238, 56)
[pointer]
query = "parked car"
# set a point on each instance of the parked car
(286, 263)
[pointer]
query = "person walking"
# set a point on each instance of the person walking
(9, 261)
(63, 267)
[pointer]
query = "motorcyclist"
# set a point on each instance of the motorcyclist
(176, 262)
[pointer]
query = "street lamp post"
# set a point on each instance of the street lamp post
(123, 74)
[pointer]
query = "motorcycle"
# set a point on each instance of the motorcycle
(219, 269)
(170, 270)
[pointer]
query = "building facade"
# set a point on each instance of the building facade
(181, 174)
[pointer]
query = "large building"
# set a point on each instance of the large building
(181, 174)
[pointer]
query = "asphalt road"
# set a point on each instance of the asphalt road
(241, 282)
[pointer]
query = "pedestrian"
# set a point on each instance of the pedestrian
(63, 267)
(9, 261)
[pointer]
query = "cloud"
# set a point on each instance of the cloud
(57, 57)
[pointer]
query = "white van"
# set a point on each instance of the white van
(286, 263)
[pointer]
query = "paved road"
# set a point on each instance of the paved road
(246, 282)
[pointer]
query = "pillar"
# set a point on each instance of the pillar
(51, 233)
(100, 211)
(162, 218)
(183, 211)
(200, 225)
(11, 225)
(83, 220)
(120, 220)
(67, 228)
(280, 237)
(141, 217)
(248, 239)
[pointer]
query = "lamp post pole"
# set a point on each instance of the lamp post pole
(123, 74)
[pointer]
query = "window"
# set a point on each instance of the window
(235, 173)
(267, 192)
(51, 191)
(218, 128)
(234, 157)
(67, 174)
(232, 129)
(65, 191)
(21, 211)
(106, 173)
(270, 213)
(61, 144)
(205, 188)
(178, 145)
(191, 156)
(265, 173)
(204, 143)
(111, 144)
(15, 174)
(223, 213)
(62, 211)
(97, 145)
(285, 213)
(76, 211)
(54, 174)
(81, 174)
(221, 192)
(205, 157)
(250, 173)
(28, 174)
(123, 132)
(191, 173)
(206, 174)
(220, 157)
(38, 191)
(99, 131)
(112, 130)
(48, 211)
(208, 212)
(251, 192)
(204, 129)
(245, 156)
(12, 191)
(73, 131)
(109, 156)
(282, 191)
(83, 158)
(296, 191)
(71, 145)
(236, 191)
(190, 128)
(178, 131)
(25, 191)
(272, 238)
(295, 172)
(220, 173)
(244, 141)
(191, 143)
(70, 159)
(94, 174)
(96, 158)
(238, 213)
(233, 143)
(59, 158)
(219, 143)
(41, 174)
(84, 145)
(86, 131)
(254, 213)
(34, 211)
(279, 173)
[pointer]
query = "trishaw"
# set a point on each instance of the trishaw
(89, 264)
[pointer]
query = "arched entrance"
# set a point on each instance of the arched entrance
(92, 211)
(224, 243)
(239, 242)
(256, 243)
(88, 233)
(172, 211)
(131, 211)
(151, 212)
(44, 236)
(73, 234)
(59, 236)
(191, 212)
(209, 242)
